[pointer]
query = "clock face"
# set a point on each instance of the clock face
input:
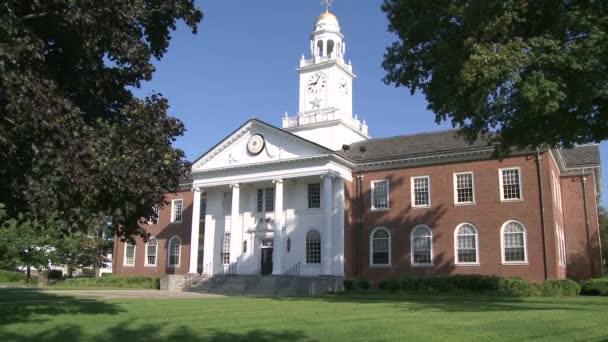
(256, 144)
(316, 83)
(343, 86)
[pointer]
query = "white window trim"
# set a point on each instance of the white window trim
(455, 184)
(173, 210)
(432, 263)
(456, 262)
(320, 198)
(562, 259)
(146, 264)
(556, 186)
(124, 258)
(502, 245)
(179, 257)
(371, 248)
(388, 195)
(413, 194)
(501, 183)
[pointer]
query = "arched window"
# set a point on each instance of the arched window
(380, 247)
(466, 244)
(513, 243)
(330, 47)
(175, 245)
(422, 246)
(226, 249)
(313, 247)
(320, 48)
(151, 248)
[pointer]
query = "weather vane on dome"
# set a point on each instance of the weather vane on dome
(327, 4)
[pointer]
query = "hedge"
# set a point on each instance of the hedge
(595, 287)
(511, 287)
(134, 282)
(8, 277)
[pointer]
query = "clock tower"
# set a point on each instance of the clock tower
(326, 90)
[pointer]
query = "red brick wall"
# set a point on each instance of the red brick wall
(162, 231)
(583, 247)
(487, 215)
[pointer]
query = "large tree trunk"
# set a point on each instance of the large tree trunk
(27, 274)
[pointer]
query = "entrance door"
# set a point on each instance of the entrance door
(266, 268)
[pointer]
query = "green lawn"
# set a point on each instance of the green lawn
(30, 315)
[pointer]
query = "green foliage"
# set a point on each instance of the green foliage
(8, 277)
(133, 282)
(553, 288)
(78, 250)
(516, 287)
(53, 274)
(363, 284)
(603, 220)
(473, 282)
(74, 141)
(534, 71)
(349, 284)
(595, 287)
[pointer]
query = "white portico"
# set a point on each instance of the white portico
(275, 197)
(263, 202)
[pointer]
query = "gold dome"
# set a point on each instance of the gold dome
(327, 16)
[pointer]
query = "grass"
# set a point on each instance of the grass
(113, 282)
(31, 315)
(16, 278)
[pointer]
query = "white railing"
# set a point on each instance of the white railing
(320, 116)
(326, 59)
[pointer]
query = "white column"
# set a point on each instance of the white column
(194, 233)
(277, 252)
(326, 237)
(236, 233)
(338, 242)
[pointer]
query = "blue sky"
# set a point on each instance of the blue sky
(243, 63)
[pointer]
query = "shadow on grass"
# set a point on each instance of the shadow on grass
(28, 305)
(458, 303)
(151, 333)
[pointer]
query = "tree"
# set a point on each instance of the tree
(25, 242)
(75, 143)
(603, 219)
(536, 72)
(79, 250)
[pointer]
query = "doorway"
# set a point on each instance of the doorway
(266, 268)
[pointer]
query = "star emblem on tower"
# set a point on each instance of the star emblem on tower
(316, 103)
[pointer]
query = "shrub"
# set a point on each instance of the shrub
(383, 285)
(409, 283)
(516, 287)
(565, 287)
(595, 287)
(135, 282)
(53, 274)
(393, 285)
(363, 284)
(349, 284)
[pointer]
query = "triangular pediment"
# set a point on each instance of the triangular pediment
(279, 145)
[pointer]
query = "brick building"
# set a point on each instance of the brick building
(319, 194)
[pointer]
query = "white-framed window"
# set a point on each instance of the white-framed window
(129, 259)
(561, 245)
(466, 244)
(226, 249)
(314, 195)
(177, 207)
(175, 246)
(557, 190)
(421, 191)
(151, 252)
(203, 212)
(265, 200)
(380, 247)
(513, 242)
(313, 247)
(421, 241)
(227, 203)
(153, 219)
(380, 195)
(464, 188)
(510, 184)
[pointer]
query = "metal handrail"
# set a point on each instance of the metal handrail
(253, 279)
(220, 278)
(285, 277)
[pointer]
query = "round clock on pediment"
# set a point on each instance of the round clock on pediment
(256, 144)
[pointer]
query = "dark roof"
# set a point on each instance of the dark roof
(404, 146)
(587, 155)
